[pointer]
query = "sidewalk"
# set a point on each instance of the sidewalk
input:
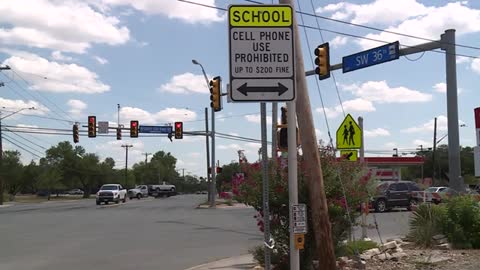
(243, 262)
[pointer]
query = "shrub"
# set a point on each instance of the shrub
(462, 222)
(350, 248)
(426, 221)
(353, 177)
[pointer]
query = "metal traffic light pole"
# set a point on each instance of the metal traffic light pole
(447, 44)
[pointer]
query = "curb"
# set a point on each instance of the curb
(5, 205)
(198, 267)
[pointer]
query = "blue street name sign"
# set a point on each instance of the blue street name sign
(155, 129)
(371, 57)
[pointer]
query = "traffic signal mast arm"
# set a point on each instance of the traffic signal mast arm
(429, 46)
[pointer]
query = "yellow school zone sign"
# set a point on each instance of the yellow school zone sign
(260, 16)
(350, 155)
(349, 134)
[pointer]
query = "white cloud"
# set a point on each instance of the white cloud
(428, 23)
(186, 83)
(423, 143)
(354, 105)
(70, 26)
(378, 132)
(232, 146)
(253, 145)
(14, 105)
(100, 60)
(442, 124)
(168, 115)
(318, 133)
(115, 150)
(338, 41)
(194, 154)
(55, 77)
(189, 13)
(390, 144)
(379, 91)
(58, 56)
(377, 12)
(476, 65)
(255, 118)
(76, 107)
(463, 59)
(440, 87)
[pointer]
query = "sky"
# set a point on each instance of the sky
(71, 59)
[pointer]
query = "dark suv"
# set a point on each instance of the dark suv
(394, 194)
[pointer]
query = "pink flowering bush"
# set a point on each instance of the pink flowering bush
(354, 177)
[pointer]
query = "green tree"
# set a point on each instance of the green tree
(161, 168)
(30, 178)
(12, 172)
(50, 178)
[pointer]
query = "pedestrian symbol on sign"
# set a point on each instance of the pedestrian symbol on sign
(349, 134)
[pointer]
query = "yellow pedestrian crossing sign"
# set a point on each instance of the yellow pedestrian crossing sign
(350, 155)
(349, 134)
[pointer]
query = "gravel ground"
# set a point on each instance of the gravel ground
(416, 260)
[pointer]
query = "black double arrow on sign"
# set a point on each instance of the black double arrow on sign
(280, 89)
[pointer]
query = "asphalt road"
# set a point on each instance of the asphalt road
(165, 233)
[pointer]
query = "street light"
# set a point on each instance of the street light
(195, 62)
(212, 196)
(1, 146)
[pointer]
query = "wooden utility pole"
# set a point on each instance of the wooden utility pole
(311, 158)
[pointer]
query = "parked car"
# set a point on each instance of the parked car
(75, 191)
(111, 193)
(138, 192)
(443, 193)
(160, 190)
(392, 194)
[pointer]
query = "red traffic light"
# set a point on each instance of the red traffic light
(92, 119)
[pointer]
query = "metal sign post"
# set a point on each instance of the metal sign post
(266, 210)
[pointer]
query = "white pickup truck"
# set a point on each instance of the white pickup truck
(159, 190)
(111, 193)
(140, 191)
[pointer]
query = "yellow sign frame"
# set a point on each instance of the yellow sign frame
(260, 16)
(349, 134)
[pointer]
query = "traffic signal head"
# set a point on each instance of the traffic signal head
(134, 129)
(119, 133)
(76, 136)
(216, 94)
(178, 130)
(322, 61)
(92, 126)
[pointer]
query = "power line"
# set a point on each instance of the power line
(316, 81)
(40, 94)
(350, 35)
(13, 132)
(33, 154)
(333, 74)
(386, 31)
(26, 91)
(40, 116)
(24, 144)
